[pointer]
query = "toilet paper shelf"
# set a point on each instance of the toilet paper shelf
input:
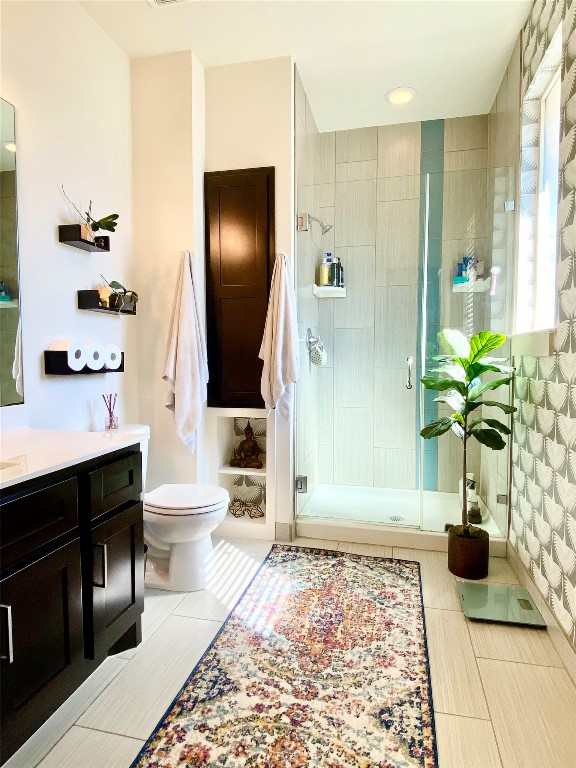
(90, 301)
(56, 364)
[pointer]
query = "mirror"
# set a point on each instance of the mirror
(11, 389)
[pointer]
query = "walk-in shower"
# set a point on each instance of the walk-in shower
(408, 204)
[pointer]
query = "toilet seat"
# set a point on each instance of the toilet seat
(182, 499)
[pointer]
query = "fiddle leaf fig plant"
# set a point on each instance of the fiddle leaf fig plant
(457, 378)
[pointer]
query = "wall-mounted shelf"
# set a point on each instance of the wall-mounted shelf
(478, 286)
(328, 292)
(71, 234)
(56, 364)
(90, 300)
(242, 471)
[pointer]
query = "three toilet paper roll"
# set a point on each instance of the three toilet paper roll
(84, 352)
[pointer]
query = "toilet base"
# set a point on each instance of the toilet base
(188, 567)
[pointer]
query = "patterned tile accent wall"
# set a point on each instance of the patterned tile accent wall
(543, 525)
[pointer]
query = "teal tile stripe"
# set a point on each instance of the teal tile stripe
(432, 164)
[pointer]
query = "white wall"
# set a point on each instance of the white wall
(249, 124)
(70, 85)
(168, 166)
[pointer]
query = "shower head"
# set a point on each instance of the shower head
(324, 226)
(304, 220)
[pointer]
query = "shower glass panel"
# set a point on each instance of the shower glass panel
(472, 220)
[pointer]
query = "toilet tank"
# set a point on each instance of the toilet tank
(142, 431)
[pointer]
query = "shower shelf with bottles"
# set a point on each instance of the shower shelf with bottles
(328, 292)
(250, 512)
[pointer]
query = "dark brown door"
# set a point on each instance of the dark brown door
(117, 582)
(240, 257)
(41, 642)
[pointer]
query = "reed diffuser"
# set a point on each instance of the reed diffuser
(111, 419)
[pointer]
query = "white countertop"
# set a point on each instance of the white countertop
(29, 453)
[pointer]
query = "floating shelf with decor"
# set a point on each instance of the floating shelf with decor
(76, 236)
(90, 300)
(56, 364)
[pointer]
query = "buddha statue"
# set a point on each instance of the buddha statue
(246, 455)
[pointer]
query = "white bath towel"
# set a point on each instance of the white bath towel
(279, 350)
(186, 367)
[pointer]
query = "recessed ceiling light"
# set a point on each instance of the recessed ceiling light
(10, 146)
(401, 95)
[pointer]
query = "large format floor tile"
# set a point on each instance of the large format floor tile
(509, 643)
(136, 699)
(456, 686)
(224, 589)
(65, 716)
(373, 550)
(464, 742)
(533, 710)
(438, 584)
(83, 748)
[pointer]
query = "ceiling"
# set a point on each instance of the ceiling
(348, 53)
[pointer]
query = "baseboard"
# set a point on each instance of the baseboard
(285, 531)
(385, 535)
(560, 640)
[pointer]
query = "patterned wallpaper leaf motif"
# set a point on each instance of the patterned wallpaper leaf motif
(543, 530)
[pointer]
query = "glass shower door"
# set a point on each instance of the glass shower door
(475, 221)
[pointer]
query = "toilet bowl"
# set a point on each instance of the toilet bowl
(178, 521)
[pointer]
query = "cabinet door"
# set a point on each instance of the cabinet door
(239, 260)
(117, 584)
(41, 642)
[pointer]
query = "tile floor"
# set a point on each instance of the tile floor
(502, 697)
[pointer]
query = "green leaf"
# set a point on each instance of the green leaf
(454, 342)
(495, 404)
(477, 369)
(484, 342)
(477, 390)
(452, 371)
(499, 426)
(453, 398)
(436, 428)
(116, 286)
(437, 383)
(491, 423)
(489, 437)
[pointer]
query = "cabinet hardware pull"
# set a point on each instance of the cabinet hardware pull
(10, 657)
(104, 548)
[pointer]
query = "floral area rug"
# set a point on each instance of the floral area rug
(322, 662)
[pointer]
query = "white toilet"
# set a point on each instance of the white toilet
(178, 521)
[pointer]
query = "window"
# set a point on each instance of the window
(538, 243)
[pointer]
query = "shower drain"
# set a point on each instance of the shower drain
(395, 518)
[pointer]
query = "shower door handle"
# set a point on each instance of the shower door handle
(409, 361)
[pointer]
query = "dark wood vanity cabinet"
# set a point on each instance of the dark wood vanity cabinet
(71, 584)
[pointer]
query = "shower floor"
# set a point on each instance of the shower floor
(389, 506)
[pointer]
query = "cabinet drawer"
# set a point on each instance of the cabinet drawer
(35, 519)
(115, 484)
